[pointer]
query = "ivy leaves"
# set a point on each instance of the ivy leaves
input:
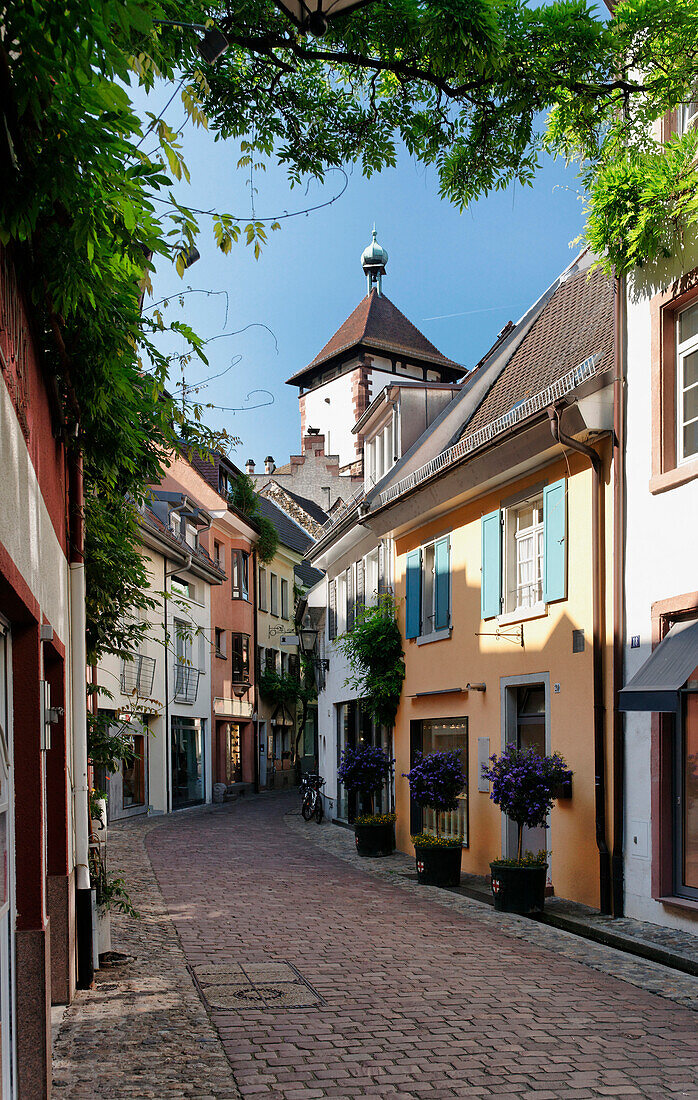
(374, 651)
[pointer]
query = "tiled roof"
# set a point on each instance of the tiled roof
(314, 510)
(207, 469)
(290, 534)
(307, 574)
(377, 323)
(575, 324)
(149, 519)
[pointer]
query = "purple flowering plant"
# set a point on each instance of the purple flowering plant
(524, 785)
(364, 769)
(436, 780)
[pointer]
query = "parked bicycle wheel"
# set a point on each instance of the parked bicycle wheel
(319, 811)
(308, 805)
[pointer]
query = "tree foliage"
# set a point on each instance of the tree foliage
(246, 500)
(475, 88)
(373, 648)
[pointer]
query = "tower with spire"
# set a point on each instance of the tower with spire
(375, 347)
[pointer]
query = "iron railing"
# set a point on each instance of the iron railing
(137, 676)
(186, 682)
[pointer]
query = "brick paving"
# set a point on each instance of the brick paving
(424, 993)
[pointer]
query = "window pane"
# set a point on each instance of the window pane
(690, 404)
(690, 369)
(443, 736)
(428, 589)
(688, 324)
(690, 439)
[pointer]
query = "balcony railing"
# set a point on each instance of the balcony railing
(137, 676)
(186, 686)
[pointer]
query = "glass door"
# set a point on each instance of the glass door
(686, 823)
(530, 734)
(346, 739)
(187, 762)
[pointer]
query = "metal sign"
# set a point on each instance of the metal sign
(289, 639)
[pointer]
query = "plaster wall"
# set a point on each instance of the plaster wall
(662, 533)
(269, 630)
(474, 654)
(330, 407)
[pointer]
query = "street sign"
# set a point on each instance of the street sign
(289, 639)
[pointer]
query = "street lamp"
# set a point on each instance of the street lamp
(313, 15)
(307, 639)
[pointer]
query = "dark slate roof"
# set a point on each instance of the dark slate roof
(576, 323)
(290, 534)
(149, 519)
(377, 323)
(307, 574)
(313, 510)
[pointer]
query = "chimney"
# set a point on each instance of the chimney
(249, 466)
(269, 466)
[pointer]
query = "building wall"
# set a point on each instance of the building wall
(332, 408)
(473, 654)
(662, 532)
(34, 591)
(269, 630)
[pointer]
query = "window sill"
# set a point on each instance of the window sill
(221, 656)
(522, 615)
(680, 903)
(435, 636)
(671, 479)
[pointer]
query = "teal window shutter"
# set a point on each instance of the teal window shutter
(555, 541)
(414, 589)
(442, 581)
(491, 581)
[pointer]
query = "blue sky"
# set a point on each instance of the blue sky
(458, 277)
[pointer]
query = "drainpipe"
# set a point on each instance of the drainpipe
(253, 666)
(618, 596)
(78, 666)
(554, 415)
(168, 739)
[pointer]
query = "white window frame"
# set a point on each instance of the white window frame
(687, 113)
(683, 350)
(341, 603)
(284, 598)
(371, 578)
(516, 601)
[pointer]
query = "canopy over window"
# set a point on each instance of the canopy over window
(656, 685)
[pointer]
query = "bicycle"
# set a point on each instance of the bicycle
(311, 799)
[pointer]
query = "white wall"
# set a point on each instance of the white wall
(662, 534)
(337, 416)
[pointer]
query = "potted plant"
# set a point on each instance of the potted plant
(435, 781)
(524, 786)
(365, 770)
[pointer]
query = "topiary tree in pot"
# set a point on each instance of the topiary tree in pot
(365, 771)
(435, 781)
(524, 786)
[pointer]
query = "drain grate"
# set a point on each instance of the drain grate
(267, 985)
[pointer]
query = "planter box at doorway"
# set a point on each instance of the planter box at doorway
(438, 866)
(518, 889)
(375, 840)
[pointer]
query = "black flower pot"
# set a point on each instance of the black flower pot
(375, 840)
(438, 866)
(518, 889)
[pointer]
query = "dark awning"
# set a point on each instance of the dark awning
(656, 685)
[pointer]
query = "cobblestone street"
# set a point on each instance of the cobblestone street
(272, 963)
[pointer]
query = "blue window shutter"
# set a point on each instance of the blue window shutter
(491, 580)
(414, 587)
(555, 538)
(442, 581)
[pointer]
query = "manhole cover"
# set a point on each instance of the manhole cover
(254, 985)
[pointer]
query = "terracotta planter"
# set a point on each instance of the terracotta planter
(518, 889)
(375, 840)
(438, 866)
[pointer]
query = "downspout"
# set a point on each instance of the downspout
(559, 436)
(78, 667)
(253, 666)
(618, 596)
(168, 739)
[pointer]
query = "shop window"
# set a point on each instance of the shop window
(239, 563)
(686, 823)
(442, 735)
(133, 775)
